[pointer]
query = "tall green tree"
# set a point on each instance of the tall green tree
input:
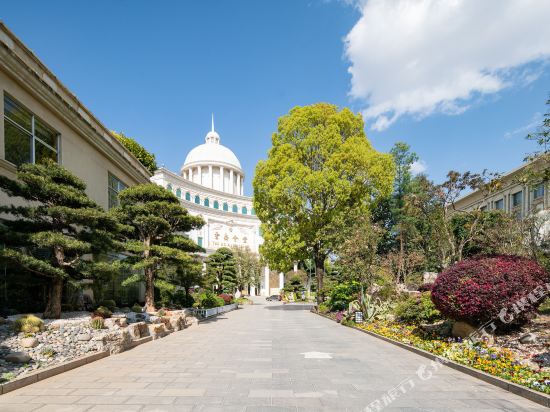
(154, 222)
(221, 270)
(55, 230)
(145, 157)
(248, 268)
(321, 173)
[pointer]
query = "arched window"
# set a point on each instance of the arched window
(197, 200)
(178, 192)
(235, 209)
(188, 196)
(207, 202)
(169, 186)
(225, 207)
(252, 211)
(216, 204)
(244, 210)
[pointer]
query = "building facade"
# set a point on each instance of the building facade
(514, 196)
(211, 184)
(41, 118)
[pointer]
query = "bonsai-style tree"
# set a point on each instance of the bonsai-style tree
(154, 222)
(222, 274)
(56, 226)
(320, 174)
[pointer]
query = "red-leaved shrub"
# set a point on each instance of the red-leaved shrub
(426, 287)
(477, 290)
(227, 298)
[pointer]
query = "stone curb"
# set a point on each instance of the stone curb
(45, 373)
(538, 397)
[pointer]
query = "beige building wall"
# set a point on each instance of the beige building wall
(86, 147)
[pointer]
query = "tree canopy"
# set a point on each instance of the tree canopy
(145, 157)
(51, 233)
(321, 173)
(221, 270)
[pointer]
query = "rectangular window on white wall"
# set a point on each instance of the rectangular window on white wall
(115, 187)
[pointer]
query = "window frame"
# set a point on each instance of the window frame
(110, 189)
(31, 133)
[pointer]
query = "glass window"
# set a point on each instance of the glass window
(538, 191)
(483, 208)
(244, 210)
(178, 192)
(169, 186)
(197, 200)
(225, 207)
(216, 204)
(199, 241)
(207, 202)
(115, 187)
(235, 209)
(499, 204)
(516, 199)
(252, 211)
(188, 196)
(27, 139)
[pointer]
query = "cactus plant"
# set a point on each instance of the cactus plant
(97, 323)
(28, 324)
(48, 352)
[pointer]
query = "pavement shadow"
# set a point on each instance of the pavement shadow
(290, 306)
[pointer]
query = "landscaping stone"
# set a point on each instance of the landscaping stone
(462, 329)
(157, 330)
(110, 323)
(18, 357)
(29, 342)
(83, 337)
(442, 328)
(116, 341)
(133, 330)
(528, 338)
(143, 329)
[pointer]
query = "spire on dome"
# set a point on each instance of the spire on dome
(212, 136)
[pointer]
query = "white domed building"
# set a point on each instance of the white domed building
(211, 184)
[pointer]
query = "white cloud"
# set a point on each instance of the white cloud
(535, 122)
(418, 57)
(418, 167)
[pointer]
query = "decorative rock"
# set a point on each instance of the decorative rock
(123, 322)
(18, 357)
(534, 366)
(143, 329)
(116, 341)
(83, 337)
(155, 319)
(443, 328)
(429, 277)
(111, 323)
(463, 329)
(2, 320)
(133, 330)
(29, 342)
(157, 330)
(191, 320)
(528, 338)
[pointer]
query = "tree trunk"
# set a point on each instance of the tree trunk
(319, 273)
(53, 308)
(149, 291)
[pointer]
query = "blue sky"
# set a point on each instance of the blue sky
(157, 71)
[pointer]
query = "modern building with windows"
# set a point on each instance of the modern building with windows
(42, 119)
(514, 196)
(211, 184)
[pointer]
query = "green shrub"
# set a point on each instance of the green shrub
(323, 308)
(109, 304)
(207, 300)
(161, 312)
(417, 309)
(341, 295)
(102, 312)
(243, 301)
(544, 308)
(136, 308)
(183, 299)
(97, 323)
(28, 324)
(48, 352)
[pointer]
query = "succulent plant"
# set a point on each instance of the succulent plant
(97, 323)
(28, 324)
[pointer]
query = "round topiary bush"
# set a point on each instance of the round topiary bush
(478, 290)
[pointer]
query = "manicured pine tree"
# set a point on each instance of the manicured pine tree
(154, 221)
(55, 230)
(221, 270)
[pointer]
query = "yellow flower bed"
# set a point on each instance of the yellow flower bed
(500, 362)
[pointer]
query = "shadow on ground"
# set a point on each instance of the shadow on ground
(290, 306)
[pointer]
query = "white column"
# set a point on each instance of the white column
(266, 281)
(242, 185)
(238, 184)
(211, 177)
(200, 175)
(295, 267)
(221, 178)
(231, 190)
(281, 280)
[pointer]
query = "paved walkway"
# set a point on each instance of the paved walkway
(264, 357)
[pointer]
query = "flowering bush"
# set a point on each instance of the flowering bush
(477, 290)
(227, 298)
(426, 287)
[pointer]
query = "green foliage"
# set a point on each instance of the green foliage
(221, 271)
(371, 306)
(154, 221)
(294, 284)
(207, 300)
(341, 295)
(146, 158)
(161, 312)
(417, 309)
(244, 301)
(48, 351)
(321, 173)
(136, 308)
(49, 235)
(544, 308)
(102, 312)
(28, 324)
(185, 300)
(323, 308)
(109, 304)
(247, 267)
(97, 323)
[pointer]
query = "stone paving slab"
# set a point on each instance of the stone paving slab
(254, 360)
